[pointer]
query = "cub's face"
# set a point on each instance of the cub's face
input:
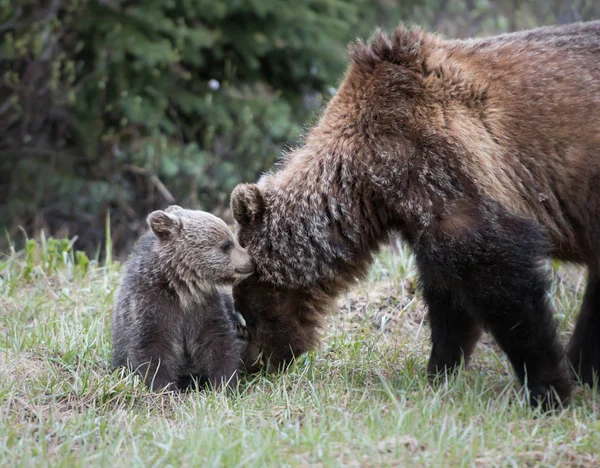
(200, 244)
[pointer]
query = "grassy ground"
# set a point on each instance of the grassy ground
(361, 400)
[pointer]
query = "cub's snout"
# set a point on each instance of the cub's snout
(242, 262)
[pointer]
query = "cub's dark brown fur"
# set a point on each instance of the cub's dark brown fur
(174, 320)
(484, 155)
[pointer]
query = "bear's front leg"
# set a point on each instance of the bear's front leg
(491, 261)
(454, 332)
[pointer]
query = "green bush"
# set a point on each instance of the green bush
(126, 106)
(129, 106)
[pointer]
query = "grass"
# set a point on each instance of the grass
(360, 400)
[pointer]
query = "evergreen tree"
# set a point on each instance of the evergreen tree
(127, 106)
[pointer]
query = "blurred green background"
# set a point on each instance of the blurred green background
(129, 106)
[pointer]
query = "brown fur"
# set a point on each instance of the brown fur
(281, 324)
(490, 142)
(174, 320)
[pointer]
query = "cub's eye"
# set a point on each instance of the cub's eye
(227, 245)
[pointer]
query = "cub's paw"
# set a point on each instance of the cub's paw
(241, 331)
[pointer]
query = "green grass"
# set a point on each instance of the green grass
(362, 399)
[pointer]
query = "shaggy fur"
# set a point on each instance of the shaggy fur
(484, 155)
(174, 320)
(281, 324)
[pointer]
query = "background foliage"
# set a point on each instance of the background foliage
(124, 107)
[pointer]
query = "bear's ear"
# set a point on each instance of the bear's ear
(247, 203)
(163, 224)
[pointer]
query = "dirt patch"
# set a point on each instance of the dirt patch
(390, 310)
(22, 367)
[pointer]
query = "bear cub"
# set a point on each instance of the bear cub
(174, 321)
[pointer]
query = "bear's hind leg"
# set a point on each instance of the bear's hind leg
(584, 346)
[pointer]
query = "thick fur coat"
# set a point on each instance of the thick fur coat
(173, 319)
(484, 154)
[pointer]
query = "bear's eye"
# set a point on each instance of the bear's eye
(226, 246)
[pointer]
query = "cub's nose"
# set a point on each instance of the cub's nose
(246, 269)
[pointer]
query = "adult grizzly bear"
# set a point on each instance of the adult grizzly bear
(484, 154)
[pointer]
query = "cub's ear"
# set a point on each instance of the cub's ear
(247, 203)
(163, 224)
(173, 208)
